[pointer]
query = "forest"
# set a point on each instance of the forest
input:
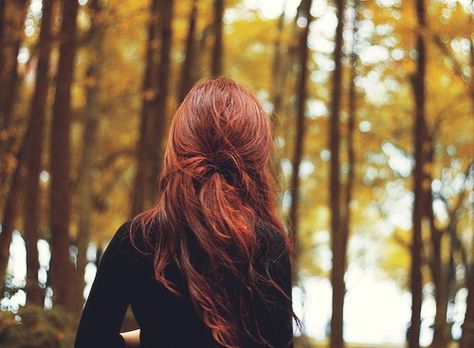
(372, 107)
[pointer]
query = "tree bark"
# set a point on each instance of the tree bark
(216, 59)
(35, 150)
(419, 133)
(279, 69)
(187, 77)
(60, 195)
(437, 266)
(11, 202)
(278, 73)
(160, 120)
(2, 34)
(90, 138)
(13, 18)
(301, 93)
(337, 240)
(148, 106)
(351, 155)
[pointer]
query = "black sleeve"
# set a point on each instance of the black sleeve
(108, 299)
(275, 316)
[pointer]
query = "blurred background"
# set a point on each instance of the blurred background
(372, 104)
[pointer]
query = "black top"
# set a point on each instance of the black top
(125, 277)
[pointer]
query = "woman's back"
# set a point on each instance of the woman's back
(126, 277)
(218, 271)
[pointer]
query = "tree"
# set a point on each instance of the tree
(419, 133)
(90, 138)
(188, 77)
(12, 21)
(337, 239)
(437, 266)
(60, 191)
(279, 77)
(216, 58)
(350, 145)
(301, 93)
(34, 152)
(148, 96)
(159, 121)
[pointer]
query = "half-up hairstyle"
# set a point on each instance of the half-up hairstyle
(215, 190)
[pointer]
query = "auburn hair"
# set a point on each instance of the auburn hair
(215, 187)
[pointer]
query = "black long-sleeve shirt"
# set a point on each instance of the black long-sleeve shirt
(126, 277)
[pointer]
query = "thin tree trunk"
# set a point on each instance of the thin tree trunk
(337, 241)
(90, 138)
(279, 70)
(438, 269)
(161, 117)
(60, 195)
(351, 156)
(187, 76)
(216, 59)
(149, 95)
(277, 93)
(419, 133)
(301, 93)
(35, 150)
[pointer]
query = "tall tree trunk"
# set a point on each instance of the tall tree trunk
(60, 196)
(301, 93)
(419, 133)
(13, 18)
(351, 156)
(2, 34)
(148, 106)
(160, 120)
(437, 266)
(187, 76)
(278, 73)
(12, 198)
(216, 59)
(337, 240)
(3, 18)
(13, 15)
(279, 69)
(201, 49)
(90, 138)
(283, 63)
(35, 150)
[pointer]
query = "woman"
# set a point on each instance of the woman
(209, 265)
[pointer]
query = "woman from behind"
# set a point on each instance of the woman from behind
(209, 265)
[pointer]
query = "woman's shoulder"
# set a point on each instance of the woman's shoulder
(128, 240)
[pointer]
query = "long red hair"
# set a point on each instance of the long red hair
(215, 187)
